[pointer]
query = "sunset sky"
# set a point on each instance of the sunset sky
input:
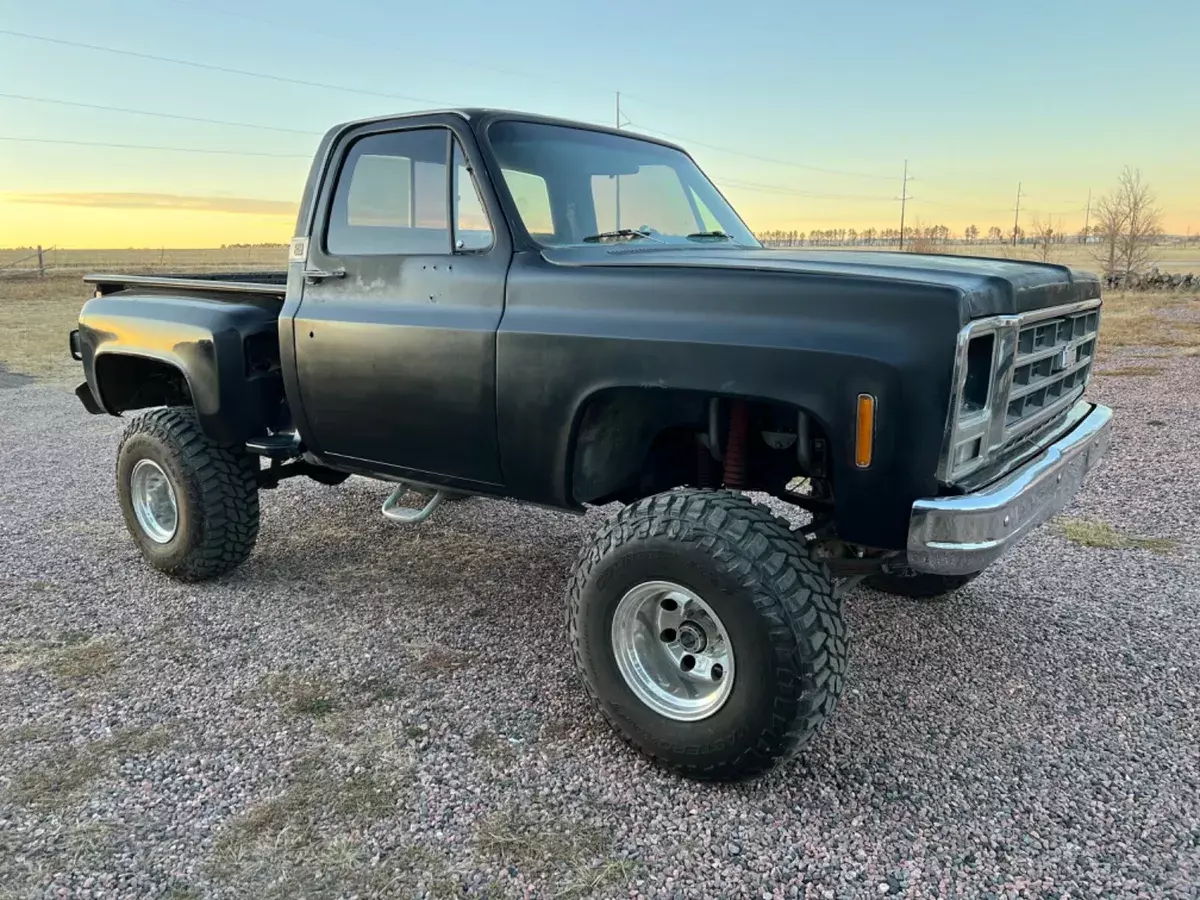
(802, 113)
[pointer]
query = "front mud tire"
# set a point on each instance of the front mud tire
(775, 602)
(213, 487)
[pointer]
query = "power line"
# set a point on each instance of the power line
(960, 206)
(766, 159)
(215, 68)
(160, 115)
(31, 140)
(797, 192)
(206, 9)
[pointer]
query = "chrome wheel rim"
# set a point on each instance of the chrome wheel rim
(673, 651)
(153, 499)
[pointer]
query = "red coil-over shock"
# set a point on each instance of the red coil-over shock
(735, 447)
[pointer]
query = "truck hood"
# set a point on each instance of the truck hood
(989, 287)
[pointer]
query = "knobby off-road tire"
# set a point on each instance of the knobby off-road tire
(214, 487)
(918, 585)
(776, 604)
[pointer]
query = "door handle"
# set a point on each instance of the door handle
(312, 276)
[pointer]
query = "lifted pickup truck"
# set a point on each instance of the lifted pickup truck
(489, 303)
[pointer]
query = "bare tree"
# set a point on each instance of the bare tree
(1045, 233)
(995, 235)
(971, 234)
(1143, 222)
(1128, 224)
(1110, 222)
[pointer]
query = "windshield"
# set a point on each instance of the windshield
(574, 187)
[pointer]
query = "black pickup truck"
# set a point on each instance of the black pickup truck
(488, 303)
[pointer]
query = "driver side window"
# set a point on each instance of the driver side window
(392, 197)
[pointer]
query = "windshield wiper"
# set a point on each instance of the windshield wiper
(627, 234)
(717, 235)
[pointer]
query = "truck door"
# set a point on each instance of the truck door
(395, 334)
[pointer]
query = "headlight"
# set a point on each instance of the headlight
(978, 382)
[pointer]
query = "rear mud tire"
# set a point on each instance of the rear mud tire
(214, 486)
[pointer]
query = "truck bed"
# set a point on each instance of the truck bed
(270, 283)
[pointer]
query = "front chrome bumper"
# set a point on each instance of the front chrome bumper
(964, 534)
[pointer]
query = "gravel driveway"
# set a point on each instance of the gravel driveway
(366, 710)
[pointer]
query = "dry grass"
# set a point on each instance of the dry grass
(516, 839)
(302, 695)
(37, 314)
(85, 660)
(574, 854)
(70, 656)
(59, 778)
(1088, 533)
(1174, 258)
(310, 840)
(240, 259)
(67, 845)
(1135, 320)
(31, 733)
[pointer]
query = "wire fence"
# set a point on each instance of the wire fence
(16, 267)
(48, 261)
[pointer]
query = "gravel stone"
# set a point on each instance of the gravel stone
(368, 710)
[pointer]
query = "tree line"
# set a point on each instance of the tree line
(1123, 237)
(924, 234)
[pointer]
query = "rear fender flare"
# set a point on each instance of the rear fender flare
(205, 343)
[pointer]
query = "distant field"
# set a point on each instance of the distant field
(1171, 258)
(1182, 259)
(132, 260)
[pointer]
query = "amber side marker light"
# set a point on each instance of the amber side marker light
(864, 433)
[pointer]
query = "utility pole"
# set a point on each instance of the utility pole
(903, 202)
(1087, 216)
(618, 205)
(1017, 217)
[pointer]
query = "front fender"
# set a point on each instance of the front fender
(813, 342)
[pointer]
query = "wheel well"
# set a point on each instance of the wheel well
(634, 442)
(136, 382)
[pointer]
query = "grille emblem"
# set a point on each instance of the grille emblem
(1062, 360)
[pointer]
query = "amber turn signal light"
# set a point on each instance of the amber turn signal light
(864, 432)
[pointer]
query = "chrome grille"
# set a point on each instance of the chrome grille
(1053, 364)
(1040, 363)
